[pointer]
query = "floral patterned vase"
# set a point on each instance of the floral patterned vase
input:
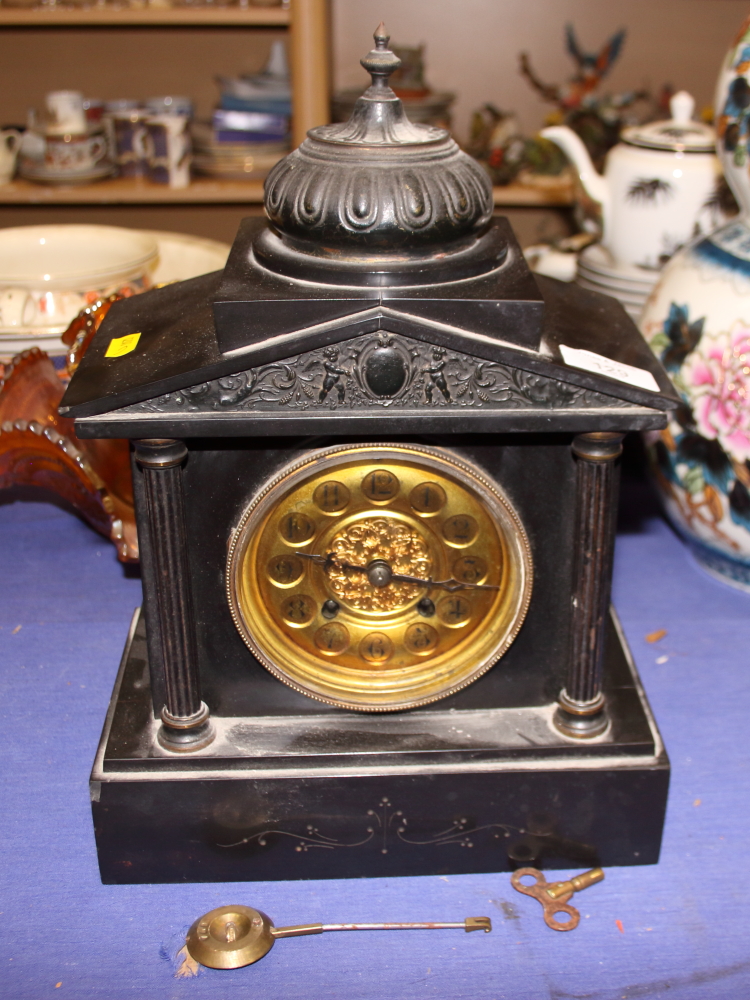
(697, 322)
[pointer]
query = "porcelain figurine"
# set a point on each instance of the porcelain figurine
(591, 68)
(596, 116)
(659, 187)
(698, 322)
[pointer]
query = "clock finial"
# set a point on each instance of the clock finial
(380, 62)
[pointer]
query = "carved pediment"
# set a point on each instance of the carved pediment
(383, 370)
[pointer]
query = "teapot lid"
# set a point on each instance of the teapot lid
(680, 134)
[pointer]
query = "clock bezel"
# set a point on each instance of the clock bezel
(467, 476)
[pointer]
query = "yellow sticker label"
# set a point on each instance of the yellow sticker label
(122, 345)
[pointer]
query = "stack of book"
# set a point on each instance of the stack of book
(249, 130)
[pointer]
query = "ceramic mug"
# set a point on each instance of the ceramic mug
(93, 108)
(169, 105)
(168, 146)
(10, 140)
(128, 131)
(74, 154)
(66, 112)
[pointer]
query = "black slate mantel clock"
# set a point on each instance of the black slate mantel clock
(375, 464)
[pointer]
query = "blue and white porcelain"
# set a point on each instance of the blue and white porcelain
(697, 321)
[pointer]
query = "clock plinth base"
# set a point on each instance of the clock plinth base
(335, 794)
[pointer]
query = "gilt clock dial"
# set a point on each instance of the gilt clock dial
(379, 577)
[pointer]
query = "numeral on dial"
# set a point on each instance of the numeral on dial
(427, 498)
(298, 610)
(469, 569)
(296, 529)
(376, 648)
(421, 639)
(460, 530)
(331, 497)
(454, 611)
(332, 638)
(380, 486)
(285, 571)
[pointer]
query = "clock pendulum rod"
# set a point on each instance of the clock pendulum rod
(231, 937)
(185, 717)
(581, 708)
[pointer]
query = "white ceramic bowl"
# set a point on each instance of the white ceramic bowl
(182, 256)
(179, 257)
(49, 273)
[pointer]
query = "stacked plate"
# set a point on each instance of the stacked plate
(233, 160)
(631, 286)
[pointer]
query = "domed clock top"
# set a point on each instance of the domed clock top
(378, 180)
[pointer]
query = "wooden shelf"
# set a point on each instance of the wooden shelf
(528, 196)
(207, 190)
(19, 17)
(125, 191)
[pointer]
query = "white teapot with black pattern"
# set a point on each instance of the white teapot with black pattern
(659, 188)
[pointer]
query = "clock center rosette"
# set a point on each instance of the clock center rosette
(367, 553)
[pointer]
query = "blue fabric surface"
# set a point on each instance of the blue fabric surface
(683, 932)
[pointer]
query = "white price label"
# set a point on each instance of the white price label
(597, 363)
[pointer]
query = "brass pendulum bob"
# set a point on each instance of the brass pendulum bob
(231, 937)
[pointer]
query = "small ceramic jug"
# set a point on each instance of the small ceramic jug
(697, 321)
(659, 184)
(10, 140)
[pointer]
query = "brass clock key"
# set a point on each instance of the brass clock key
(554, 896)
(231, 937)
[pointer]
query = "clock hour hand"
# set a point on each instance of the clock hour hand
(329, 559)
(449, 585)
(325, 561)
(380, 574)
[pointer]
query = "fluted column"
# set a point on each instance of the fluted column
(581, 708)
(185, 717)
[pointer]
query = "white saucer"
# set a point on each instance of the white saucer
(616, 280)
(625, 297)
(599, 261)
(628, 288)
(42, 175)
